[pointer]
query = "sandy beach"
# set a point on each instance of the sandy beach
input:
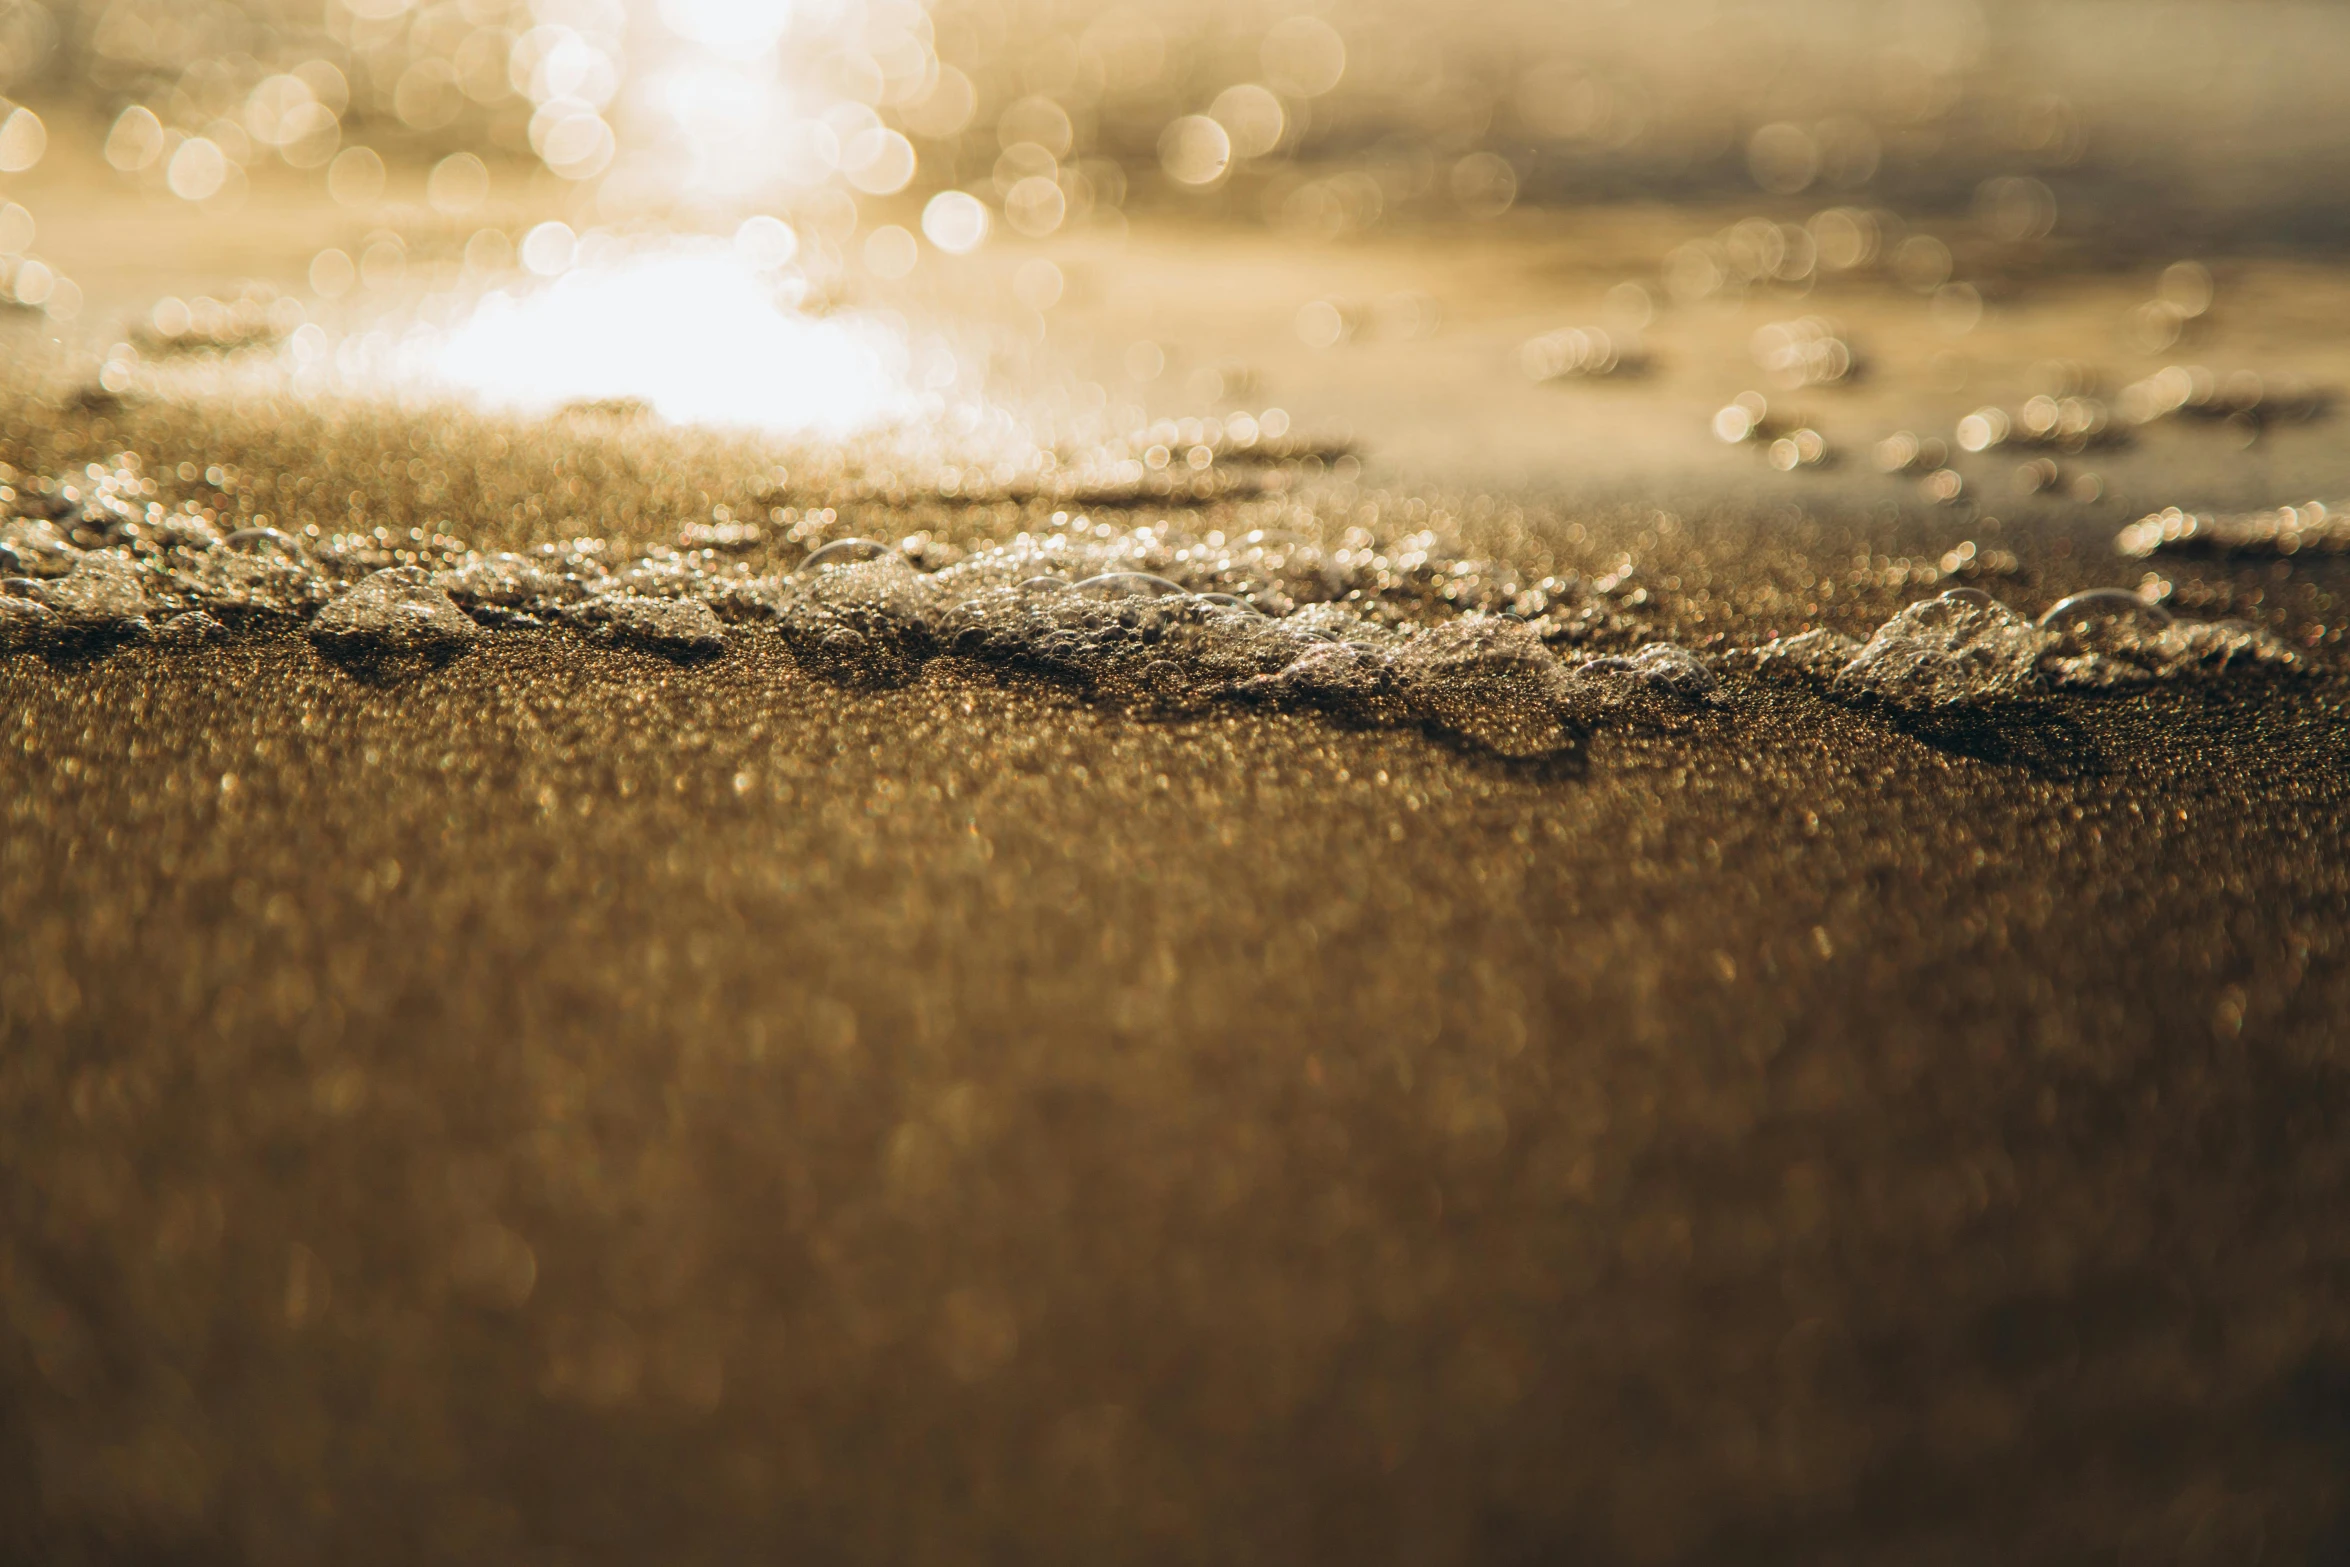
(566, 1103)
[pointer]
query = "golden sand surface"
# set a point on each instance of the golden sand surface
(562, 1104)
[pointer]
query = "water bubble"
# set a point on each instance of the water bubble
(844, 552)
(1815, 655)
(2113, 639)
(284, 543)
(396, 610)
(103, 592)
(2082, 610)
(1129, 584)
(675, 628)
(1661, 669)
(1961, 648)
(189, 628)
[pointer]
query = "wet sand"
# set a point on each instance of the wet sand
(567, 1105)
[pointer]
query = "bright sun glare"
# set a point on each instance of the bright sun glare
(695, 333)
(728, 24)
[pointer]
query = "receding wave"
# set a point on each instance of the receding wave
(1149, 616)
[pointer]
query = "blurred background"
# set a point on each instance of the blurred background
(1524, 241)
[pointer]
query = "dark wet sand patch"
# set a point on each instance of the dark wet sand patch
(563, 1105)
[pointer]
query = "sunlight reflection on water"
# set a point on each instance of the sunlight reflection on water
(695, 332)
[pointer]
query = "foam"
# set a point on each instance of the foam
(681, 628)
(1961, 648)
(257, 575)
(1965, 649)
(396, 610)
(102, 592)
(189, 628)
(1146, 616)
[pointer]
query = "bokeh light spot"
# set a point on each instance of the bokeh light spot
(1195, 150)
(956, 222)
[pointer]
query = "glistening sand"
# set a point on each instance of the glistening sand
(566, 1105)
